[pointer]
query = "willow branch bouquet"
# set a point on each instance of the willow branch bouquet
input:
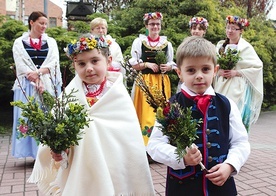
(178, 124)
(154, 97)
(175, 122)
(55, 121)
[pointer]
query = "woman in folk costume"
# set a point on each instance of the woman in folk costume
(244, 82)
(198, 26)
(36, 59)
(98, 27)
(110, 158)
(143, 52)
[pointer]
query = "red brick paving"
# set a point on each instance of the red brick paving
(256, 178)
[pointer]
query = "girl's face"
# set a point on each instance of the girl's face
(91, 66)
(99, 30)
(196, 30)
(154, 26)
(39, 26)
(197, 73)
(233, 31)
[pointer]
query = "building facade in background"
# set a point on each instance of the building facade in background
(21, 9)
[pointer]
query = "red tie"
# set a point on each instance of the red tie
(202, 101)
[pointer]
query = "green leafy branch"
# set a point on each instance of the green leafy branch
(178, 124)
(227, 60)
(51, 120)
(160, 57)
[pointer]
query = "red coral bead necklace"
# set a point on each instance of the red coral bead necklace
(92, 96)
(97, 92)
(153, 40)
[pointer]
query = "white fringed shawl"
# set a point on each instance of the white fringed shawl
(109, 160)
(251, 69)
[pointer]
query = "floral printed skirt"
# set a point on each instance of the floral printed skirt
(144, 111)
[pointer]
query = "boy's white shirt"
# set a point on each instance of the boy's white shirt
(162, 152)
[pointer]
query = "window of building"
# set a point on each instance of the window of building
(12, 16)
(53, 22)
(26, 20)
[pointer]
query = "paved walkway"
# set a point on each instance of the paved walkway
(257, 177)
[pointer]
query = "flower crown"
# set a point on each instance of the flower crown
(199, 20)
(86, 43)
(153, 15)
(237, 20)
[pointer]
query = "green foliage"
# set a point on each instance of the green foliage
(80, 27)
(160, 57)
(12, 29)
(52, 121)
(178, 124)
(9, 31)
(126, 24)
(227, 60)
(63, 37)
(177, 14)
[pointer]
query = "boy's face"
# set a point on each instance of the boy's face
(197, 73)
(91, 66)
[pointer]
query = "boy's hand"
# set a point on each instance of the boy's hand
(219, 173)
(193, 156)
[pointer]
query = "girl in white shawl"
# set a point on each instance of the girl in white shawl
(36, 59)
(110, 160)
(244, 82)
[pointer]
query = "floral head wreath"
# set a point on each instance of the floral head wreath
(86, 43)
(242, 22)
(198, 20)
(153, 15)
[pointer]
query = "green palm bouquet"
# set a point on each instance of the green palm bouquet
(178, 124)
(227, 60)
(55, 121)
(160, 57)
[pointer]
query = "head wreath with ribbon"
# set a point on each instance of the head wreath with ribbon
(199, 20)
(241, 22)
(86, 43)
(153, 15)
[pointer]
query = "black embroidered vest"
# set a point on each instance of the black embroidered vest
(213, 142)
(149, 53)
(37, 56)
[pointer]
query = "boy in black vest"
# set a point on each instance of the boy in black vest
(222, 144)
